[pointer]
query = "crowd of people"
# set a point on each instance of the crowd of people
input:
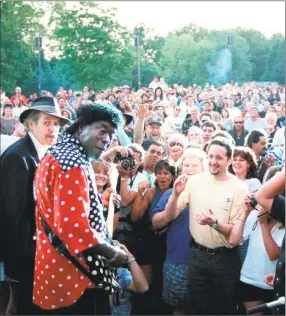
(166, 200)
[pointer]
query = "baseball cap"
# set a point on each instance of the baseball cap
(154, 119)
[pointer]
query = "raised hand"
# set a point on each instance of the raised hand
(180, 184)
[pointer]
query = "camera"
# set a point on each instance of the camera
(253, 202)
(126, 162)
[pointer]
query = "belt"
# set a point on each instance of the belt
(210, 251)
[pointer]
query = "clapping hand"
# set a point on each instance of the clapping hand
(205, 219)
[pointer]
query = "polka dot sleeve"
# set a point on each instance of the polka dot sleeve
(71, 210)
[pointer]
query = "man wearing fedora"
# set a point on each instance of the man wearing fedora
(17, 207)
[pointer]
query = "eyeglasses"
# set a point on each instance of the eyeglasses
(239, 122)
(204, 121)
(172, 144)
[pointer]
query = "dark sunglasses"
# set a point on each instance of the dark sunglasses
(204, 121)
(239, 122)
(172, 144)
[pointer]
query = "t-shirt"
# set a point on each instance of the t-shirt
(253, 184)
(124, 279)
(6, 141)
(250, 125)
(224, 198)
(257, 263)
(178, 233)
(7, 126)
(233, 112)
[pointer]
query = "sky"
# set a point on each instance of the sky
(165, 16)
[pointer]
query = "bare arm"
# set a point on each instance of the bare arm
(160, 220)
(172, 211)
(236, 234)
(270, 189)
(140, 205)
(127, 197)
(272, 249)
(142, 113)
(139, 282)
(138, 131)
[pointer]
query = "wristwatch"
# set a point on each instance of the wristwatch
(214, 225)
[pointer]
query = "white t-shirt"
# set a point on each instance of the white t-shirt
(257, 263)
(6, 141)
(253, 184)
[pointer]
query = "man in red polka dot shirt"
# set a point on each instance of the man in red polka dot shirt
(67, 200)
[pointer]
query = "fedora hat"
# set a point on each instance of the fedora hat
(48, 105)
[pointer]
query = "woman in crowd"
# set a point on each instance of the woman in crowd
(102, 172)
(151, 258)
(175, 148)
(265, 239)
(178, 238)
(18, 107)
(244, 166)
(195, 135)
(158, 97)
(225, 119)
(7, 120)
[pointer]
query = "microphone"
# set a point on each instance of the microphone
(259, 308)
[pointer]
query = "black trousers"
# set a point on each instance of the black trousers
(212, 282)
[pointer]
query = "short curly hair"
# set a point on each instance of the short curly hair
(90, 113)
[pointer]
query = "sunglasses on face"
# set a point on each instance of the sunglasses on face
(239, 122)
(172, 144)
(204, 121)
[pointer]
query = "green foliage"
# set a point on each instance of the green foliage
(275, 60)
(95, 50)
(19, 25)
(95, 47)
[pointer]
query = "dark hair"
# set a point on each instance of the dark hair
(226, 110)
(224, 134)
(243, 131)
(247, 154)
(208, 124)
(161, 96)
(253, 137)
(205, 113)
(93, 112)
(157, 143)
(164, 164)
(223, 142)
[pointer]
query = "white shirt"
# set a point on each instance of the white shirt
(257, 263)
(253, 184)
(17, 111)
(6, 141)
(279, 137)
(41, 150)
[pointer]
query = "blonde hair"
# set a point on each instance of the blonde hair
(195, 153)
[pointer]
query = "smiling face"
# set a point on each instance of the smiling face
(240, 165)
(218, 160)
(153, 131)
(96, 137)
(175, 149)
(153, 154)
(191, 166)
(101, 177)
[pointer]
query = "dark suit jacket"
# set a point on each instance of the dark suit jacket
(17, 206)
